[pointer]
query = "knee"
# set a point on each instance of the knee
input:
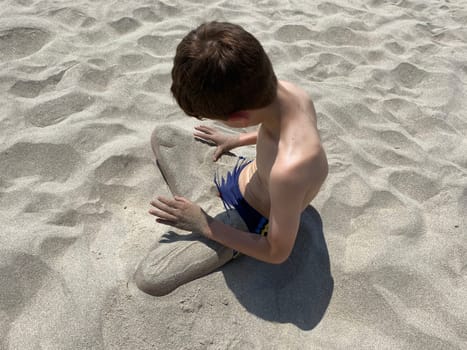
(165, 136)
(148, 284)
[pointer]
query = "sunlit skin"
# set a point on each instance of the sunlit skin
(289, 169)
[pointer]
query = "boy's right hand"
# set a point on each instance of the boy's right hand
(223, 141)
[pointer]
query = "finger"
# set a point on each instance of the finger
(203, 133)
(204, 129)
(218, 153)
(162, 214)
(181, 199)
(165, 222)
(166, 200)
(171, 202)
(202, 136)
(168, 208)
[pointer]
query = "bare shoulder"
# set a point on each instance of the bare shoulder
(300, 177)
(293, 87)
(293, 169)
(300, 163)
(298, 91)
(304, 98)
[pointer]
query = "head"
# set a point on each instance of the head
(220, 71)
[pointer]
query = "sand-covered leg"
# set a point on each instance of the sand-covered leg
(178, 259)
(170, 265)
(188, 169)
(185, 163)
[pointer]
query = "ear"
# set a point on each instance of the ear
(239, 118)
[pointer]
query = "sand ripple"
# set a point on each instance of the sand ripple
(19, 42)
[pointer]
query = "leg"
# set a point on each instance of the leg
(185, 163)
(188, 169)
(170, 265)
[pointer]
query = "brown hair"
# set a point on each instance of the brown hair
(219, 69)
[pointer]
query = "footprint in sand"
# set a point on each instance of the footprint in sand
(328, 8)
(328, 65)
(386, 215)
(155, 13)
(354, 191)
(117, 168)
(394, 47)
(160, 45)
(32, 88)
(146, 14)
(25, 3)
(342, 36)
(135, 62)
(94, 135)
(408, 75)
(383, 225)
(116, 175)
(349, 198)
(414, 185)
(55, 110)
(21, 277)
(68, 218)
(96, 79)
(159, 82)
(42, 201)
(125, 25)
(54, 246)
(293, 32)
(72, 17)
(20, 42)
(50, 162)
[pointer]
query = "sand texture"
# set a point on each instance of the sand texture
(380, 261)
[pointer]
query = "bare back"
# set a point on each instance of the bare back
(297, 147)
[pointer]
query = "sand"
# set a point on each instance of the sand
(381, 258)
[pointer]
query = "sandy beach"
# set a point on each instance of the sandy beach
(380, 261)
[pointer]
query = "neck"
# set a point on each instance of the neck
(270, 116)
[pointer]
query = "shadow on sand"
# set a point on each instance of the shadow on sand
(297, 291)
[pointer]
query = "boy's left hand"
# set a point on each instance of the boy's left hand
(181, 213)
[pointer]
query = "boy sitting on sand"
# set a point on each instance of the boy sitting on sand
(221, 72)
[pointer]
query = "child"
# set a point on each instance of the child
(221, 72)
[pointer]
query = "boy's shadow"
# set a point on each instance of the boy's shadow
(297, 291)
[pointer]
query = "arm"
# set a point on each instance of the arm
(286, 197)
(286, 187)
(245, 139)
(224, 142)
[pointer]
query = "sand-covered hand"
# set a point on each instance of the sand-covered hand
(181, 213)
